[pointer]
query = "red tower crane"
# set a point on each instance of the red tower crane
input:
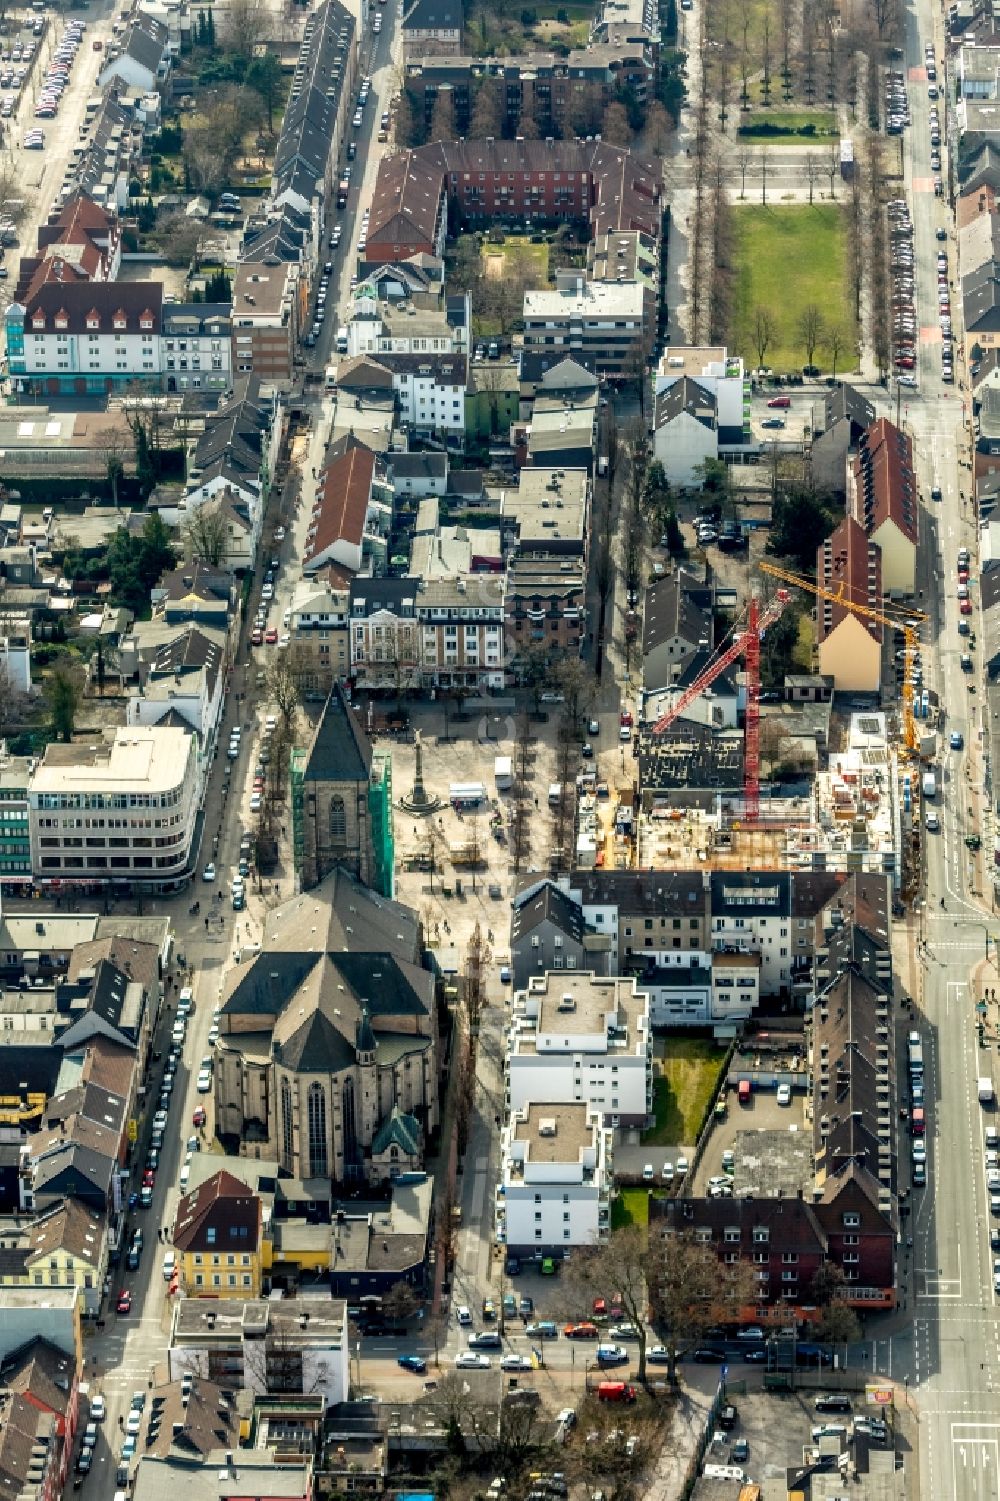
(745, 643)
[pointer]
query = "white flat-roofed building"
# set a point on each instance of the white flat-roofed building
(580, 1038)
(122, 809)
(299, 1344)
(604, 319)
(555, 1179)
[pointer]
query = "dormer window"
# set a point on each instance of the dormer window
(146, 320)
(93, 321)
(38, 320)
(118, 320)
(61, 319)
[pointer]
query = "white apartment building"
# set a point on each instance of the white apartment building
(197, 347)
(604, 319)
(579, 1038)
(555, 1179)
(461, 631)
(431, 390)
(403, 326)
(123, 809)
(751, 914)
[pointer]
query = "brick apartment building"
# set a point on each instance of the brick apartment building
(564, 96)
(541, 181)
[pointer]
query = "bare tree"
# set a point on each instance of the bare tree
(835, 342)
(205, 533)
(14, 203)
(743, 161)
(810, 329)
(764, 331)
(812, 172)
(689, 1290)
(615, 128)
(762, 162)
(765, 59)
(115, 451)
(442, 126)
(400, 1303)
(283, 686)
(247, 23)
(832, 168)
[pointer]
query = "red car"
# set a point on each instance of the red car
(626, 718)
(124, 1301)
(581, 1331)
(149, 1178)
(199, 1118)
(965, 607)
(600, 1309)
(780, 401)
(271, 636)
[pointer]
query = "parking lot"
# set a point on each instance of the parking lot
(784, 1129)
(777, 1428)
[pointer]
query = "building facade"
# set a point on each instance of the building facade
(121, 811)
(556, 1173)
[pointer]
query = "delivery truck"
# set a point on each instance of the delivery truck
(985, 1087)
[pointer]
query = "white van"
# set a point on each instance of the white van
(341, 345)
(723, 1472)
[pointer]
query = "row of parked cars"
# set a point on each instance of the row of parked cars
(15, 64)
(904, 308)
(56, 80)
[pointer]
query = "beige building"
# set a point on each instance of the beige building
(264, 319)
(606, 320)
(123, 809)
(849, 646)
(318, 626)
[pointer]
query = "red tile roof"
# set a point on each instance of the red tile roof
(885, 485)
(343, 492)
(212, 1216)
(849, 565)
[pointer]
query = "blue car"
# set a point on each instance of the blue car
(414, 1363)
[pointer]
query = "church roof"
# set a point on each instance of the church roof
(316, 1048)
(340, 751)
(400, 1129)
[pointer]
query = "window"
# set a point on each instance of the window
(287, 1130)
(338, 820)
(317, 1131)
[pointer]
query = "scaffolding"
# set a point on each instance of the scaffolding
(297, 777)
(380, 822)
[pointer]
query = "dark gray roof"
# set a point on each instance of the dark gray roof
(982, 167)
(721, 685)
(419, 465)
(673, 608)
(146, 42)
(444, 369)
(379, 983)
(844, 401)
(381, 594)
(340, 751)
(235, 434)
(547, 903)
(981, 299)
(568, 374)
(751, 893)
(317, 1047)
(434, 15)
(685, 395)
(535, 363)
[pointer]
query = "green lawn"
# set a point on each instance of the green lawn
(789, 257)
(631, 1207)
(517, 250)
(682, 1090)
(787, 126)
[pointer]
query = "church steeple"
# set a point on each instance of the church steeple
(364, 1040)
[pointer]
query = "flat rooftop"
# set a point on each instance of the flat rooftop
(223, 1321)
(150, 759)
(770, 1163)
(553, 1133)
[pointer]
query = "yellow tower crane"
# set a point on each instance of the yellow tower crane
(906, 622)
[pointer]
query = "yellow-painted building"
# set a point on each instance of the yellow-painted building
(219, 1240)
(65, 1247)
